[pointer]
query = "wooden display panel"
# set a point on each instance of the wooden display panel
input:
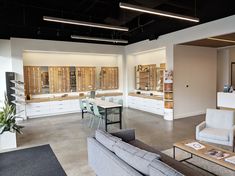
(59, 79)
(146, 77)
(168, 90)
(159, 79)
(85, 78)
(109, 78)
(32, 79)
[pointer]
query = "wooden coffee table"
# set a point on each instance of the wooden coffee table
(201, 154)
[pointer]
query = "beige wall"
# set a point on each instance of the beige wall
(223, 69)
(225, 57)
(195, 67)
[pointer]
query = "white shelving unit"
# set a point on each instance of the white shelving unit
(19, 97)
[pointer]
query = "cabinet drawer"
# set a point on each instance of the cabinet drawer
(38, 105)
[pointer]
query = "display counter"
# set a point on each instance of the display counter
(70, 97)
(155, 97)
(57, 105)
(153, 104)
(226, 100)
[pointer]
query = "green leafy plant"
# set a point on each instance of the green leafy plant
(8, 119)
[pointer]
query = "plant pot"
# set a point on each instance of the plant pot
(7, 140)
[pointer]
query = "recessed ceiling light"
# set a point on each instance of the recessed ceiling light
(98, 39)
(84, 23)
(157, 12)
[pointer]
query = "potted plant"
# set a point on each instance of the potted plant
(8, 126)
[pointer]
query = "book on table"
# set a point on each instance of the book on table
(230, 159)
(195, 145)
(217, 154)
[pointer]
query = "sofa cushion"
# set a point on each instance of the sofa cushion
(135, 157)
(216, 134)
(106, 139)
(158, 168)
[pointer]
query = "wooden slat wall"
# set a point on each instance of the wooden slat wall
(59, 79)
(109, 78)
(85, 77)
(32, 79)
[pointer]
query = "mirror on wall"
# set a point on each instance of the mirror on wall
(44, 79)
(233, 74)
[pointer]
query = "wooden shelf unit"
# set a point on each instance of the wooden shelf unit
(59, 80)
(149, 77)
(109, 78)
(32, 79)
(168, 90)
(85, 78)
(62, 79)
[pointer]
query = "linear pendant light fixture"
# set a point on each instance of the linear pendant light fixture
(157, 12)
(98, 39)
(84, 23)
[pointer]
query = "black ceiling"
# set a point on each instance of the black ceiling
(23, 18)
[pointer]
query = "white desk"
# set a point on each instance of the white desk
(108, 105)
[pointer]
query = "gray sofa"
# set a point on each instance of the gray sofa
(105, 162)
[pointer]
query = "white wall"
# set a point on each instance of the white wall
(5, 66)
(39, 58)
(143, 58)
(226, 56)
(68, 59)
(18, 46)
(195, 67)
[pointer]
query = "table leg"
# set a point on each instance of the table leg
(120, 117)
(82, 114)
(106, 120)
(174, 152)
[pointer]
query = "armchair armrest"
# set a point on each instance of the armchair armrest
(126, 134)
(199, 128)
(232, 135)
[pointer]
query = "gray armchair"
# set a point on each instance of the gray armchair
(219, 127)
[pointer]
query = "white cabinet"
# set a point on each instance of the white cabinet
(49, 108)
(145, 104)
(226, 100)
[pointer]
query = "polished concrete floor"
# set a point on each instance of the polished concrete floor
(67, 135)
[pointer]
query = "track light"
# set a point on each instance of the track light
(98, 39)
(157, 12)
(84, 23)
(221, 40)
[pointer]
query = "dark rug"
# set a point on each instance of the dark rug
(35, 161)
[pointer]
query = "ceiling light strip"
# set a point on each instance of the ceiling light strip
(98, 39)
(84, 23)
(157, 12)
(222, 40)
